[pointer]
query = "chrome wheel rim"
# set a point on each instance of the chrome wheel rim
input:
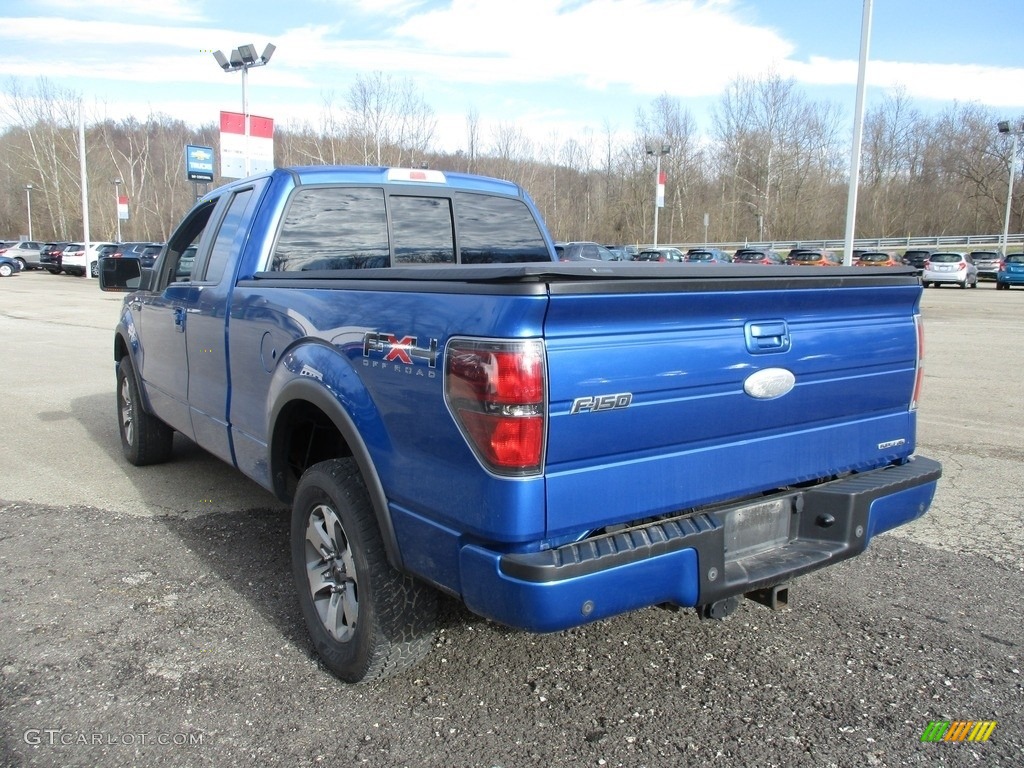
(127, 412)
(331, 573)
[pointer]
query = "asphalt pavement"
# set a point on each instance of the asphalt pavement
(147, 615)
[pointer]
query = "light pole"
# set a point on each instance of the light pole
(1014, 131)
(243, 58)
(28, 198)
(659, 188)
(117, 206)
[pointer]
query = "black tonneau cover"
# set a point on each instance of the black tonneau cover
(735, 275)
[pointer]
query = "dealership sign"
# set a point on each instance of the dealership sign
(198, 163)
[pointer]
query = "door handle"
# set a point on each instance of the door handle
(179, 319)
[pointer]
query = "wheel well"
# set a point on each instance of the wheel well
(303, 436)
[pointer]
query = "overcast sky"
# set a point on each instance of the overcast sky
(552, 68)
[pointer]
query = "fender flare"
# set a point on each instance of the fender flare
(311, 391)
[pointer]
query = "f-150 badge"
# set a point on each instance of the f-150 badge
(596, 403)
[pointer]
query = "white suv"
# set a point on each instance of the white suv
(950, 267)
(73, 259)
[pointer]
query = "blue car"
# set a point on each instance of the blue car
(9, 266)
(1011, 271)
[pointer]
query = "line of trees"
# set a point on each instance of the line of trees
(772, 167)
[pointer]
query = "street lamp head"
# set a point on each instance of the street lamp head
(222, 60)
(117, 182)
(248, 53)
(236, 59)
(268, 52)
(29, 187)
(1004, 126)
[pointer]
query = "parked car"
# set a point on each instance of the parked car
(147, 256)
(878, 259)
(707, 256)
(917, 257)
(987, 263)
(660, 254)
(624, 252)
(75, 260)
(756, 256)
(814, 257)
(9, 266)
(25, 252)
(580, 251)
(950, 267)
(1011, 271)
(50, 257)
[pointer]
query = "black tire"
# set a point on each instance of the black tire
(94, 269)
(22, 262)
(6, 270)
(924, 283)
(367, 621)
(53, 271)
(144, 438)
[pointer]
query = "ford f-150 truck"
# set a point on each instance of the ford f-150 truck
(398, 355)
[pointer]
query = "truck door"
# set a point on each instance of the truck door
(161, 314)
(212, 277)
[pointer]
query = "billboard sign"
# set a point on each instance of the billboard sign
(242, 155)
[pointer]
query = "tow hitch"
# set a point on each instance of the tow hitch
(776, 598)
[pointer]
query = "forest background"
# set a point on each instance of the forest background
(773, 166)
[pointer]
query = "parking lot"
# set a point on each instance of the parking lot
(147, 615)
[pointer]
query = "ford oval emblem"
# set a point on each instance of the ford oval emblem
(769, 383)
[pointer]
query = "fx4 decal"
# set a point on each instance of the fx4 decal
(398, 351)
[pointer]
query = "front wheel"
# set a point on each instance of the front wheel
(6, 270)
(144, 438)
(367, 621)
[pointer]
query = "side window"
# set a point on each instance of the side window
(422, 230)
(333, 228)
(187, 233)
(494, 229)
(224, 245)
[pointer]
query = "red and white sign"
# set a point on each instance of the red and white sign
(236, 147)
(660, 197)
(122, 207)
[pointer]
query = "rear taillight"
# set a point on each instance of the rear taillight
(915, 396)
(496, 391)
(962, 265)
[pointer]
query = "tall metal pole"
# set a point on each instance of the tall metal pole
(657, 184)
(1009, 189)
(85, 188)
(858, 134)
(245, 118)
(28, 197)
(117, 207)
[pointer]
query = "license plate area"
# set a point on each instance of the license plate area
(757, 528)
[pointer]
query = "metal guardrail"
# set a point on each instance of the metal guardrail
(882, 243)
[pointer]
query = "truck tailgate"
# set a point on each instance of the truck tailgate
(671, 394)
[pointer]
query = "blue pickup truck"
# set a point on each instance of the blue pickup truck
(398, 355)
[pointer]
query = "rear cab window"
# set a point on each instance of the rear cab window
(347, 227)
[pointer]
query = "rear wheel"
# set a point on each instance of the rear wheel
(144, 438)
(22, 263)
(367, 621)
(53, 271)
(6, 270)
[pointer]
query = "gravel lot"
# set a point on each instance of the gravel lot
(148, 617)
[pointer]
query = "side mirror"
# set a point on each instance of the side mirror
(120, 275)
